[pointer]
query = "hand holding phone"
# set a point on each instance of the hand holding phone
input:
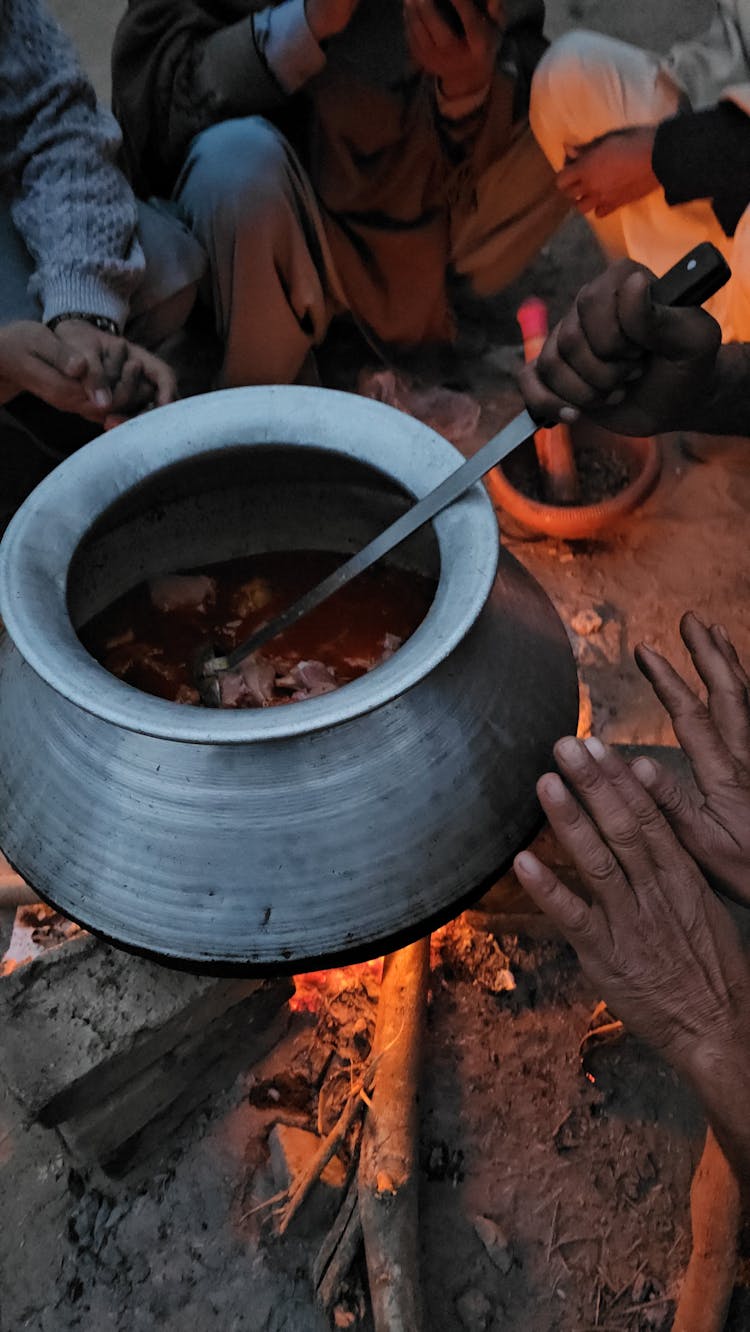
(456, 41)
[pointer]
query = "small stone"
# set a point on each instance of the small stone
(495, 1242)
(586, 622)
(474, 1310)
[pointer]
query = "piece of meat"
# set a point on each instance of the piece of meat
(119, 640)
(252, 596)
(391, 644)
(182, 592)
(308, 679)
(251, 685)
(128, 654)
(187, 694)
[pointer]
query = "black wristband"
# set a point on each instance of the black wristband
(98, 321)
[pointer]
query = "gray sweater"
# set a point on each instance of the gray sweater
(72, 206)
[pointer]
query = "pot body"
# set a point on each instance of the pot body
(263, 840)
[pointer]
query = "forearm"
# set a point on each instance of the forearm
(233, 76)
(721, 1080)
(725, 408)
(70, 203)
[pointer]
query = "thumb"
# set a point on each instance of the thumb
(682, 333)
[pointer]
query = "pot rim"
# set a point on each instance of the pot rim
(40, 543)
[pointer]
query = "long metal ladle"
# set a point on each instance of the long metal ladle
(691, 281)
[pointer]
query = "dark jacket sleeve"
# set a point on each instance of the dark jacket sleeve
(706, 155)
(178, 67)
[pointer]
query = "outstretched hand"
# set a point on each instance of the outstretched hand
(651, 935)
(609, 172)
(715, 735)
(630, 365)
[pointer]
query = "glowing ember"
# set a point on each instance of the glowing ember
(311, 988)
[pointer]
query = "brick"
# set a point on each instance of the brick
(82, 1019)
(145, 1111)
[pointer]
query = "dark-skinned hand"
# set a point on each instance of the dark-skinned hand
(715, 735)
(601, 176)
(653, 938)
(463, 63)
(34, 360)
(628, 364)
(121, 379)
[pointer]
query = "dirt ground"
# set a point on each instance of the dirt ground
(586, 1181)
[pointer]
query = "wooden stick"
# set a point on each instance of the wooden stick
(388, 1167)
(339, 1249)
(301, 1186)
(715, 1214)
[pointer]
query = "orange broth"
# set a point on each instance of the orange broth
(153, 649)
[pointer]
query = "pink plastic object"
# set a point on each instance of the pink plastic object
(554, 449)
(533, 320)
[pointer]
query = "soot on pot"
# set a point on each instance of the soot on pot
(150, 636)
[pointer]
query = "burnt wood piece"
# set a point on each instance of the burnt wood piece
(388, 1166)
(715, 1214)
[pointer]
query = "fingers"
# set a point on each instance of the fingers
(619, 824)
(54, 352)
(58, 389)
(132, 392)
(658, 802)
(545, 406)
(677, 805)
(677, 334)
(567, 374)
(145, 381)
(554, 368)
(600, 374)
(725, 681)
(712, 763)
(586, 359)
(434, 25)
(598, 308)
(96, 384)
(577, 833)
(478, 27)
(159, 374)
(93, 345)
(729, 652)
(571, 915)
(114, 355)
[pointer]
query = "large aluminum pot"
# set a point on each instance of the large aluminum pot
(278, 838)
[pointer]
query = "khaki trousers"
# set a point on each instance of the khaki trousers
(587, 85)
(272, 281)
